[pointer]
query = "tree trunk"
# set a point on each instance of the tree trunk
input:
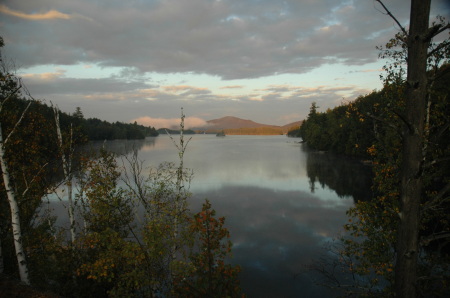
(413, 141)
(15, 218)
(67, 167)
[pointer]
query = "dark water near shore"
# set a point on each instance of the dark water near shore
(282, 202)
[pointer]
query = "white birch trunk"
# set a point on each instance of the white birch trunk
(15, 217)
(67, 167)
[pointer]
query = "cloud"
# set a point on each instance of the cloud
(232, 87)
(186, 91)
(281, 88)
(366, 70)
(46, 76)
(251, 59)
(254, 98)
(49, 15)
(228, 39)
(293, 117)
(270, 257)
(177, 88)
(172, 123)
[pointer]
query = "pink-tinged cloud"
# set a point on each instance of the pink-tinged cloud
(172, 123)
(49, 15)
(183, 88)
(46, 76)
(232, 87)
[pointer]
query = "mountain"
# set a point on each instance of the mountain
(237, 126)
(232, 122)
(293, 125)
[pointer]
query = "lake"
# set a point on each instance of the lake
(282, 202)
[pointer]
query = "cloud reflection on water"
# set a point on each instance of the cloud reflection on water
(262, 185)
(277, 235)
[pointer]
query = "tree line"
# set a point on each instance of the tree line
(368, 129)
(96, 129)
(128, 233)
(398, 242)
(89, 128)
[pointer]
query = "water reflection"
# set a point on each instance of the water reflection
(277, 235)
(281, 202)
(122, 147)
(347, 177)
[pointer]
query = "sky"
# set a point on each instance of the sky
(144, 60)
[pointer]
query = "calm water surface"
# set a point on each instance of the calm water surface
(282, 203)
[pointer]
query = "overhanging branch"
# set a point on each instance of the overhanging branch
(442, 235)
(392, 16)
(435, 30)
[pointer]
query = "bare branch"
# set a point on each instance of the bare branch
(133, 179)
(436, 200)
(32, 180)
(443, 191)
(438, 48)
(443, 128)
(27, 92)
(435, 161)
(392, 16)
(17, 123)
(10, 95)
(174, 142)
(442, 235)
(410, 127)
(435, 30)
(396, 128)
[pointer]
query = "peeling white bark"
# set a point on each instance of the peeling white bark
(15, 215)
(67, 167)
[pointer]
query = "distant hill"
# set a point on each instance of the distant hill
(237, 126)
(232, 122)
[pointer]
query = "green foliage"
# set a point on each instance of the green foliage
(165, 231)
(108, 207)
(155, 258)
(113, 255)
(29, 155)
(97, 129)
(209, 276)
(294, 132)
(373, 225)
(116, 257)
(114, 264)
(120, 258)
(342, 130)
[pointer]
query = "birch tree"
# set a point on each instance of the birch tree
(181, 192)
(67, 168)
(10, 88)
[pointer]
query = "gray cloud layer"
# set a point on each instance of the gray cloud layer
(230, 39)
